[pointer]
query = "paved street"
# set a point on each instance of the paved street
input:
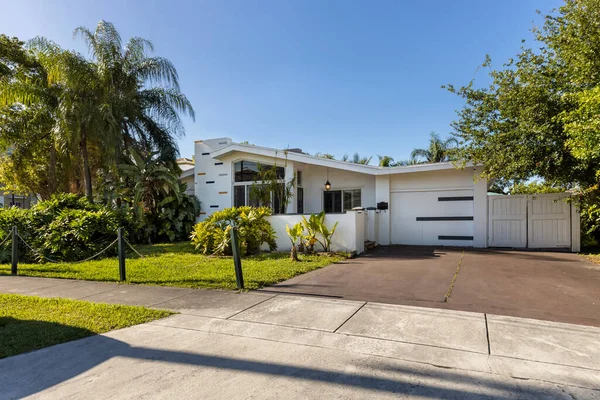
(257, 345)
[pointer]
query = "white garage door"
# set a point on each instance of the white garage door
(442, 217)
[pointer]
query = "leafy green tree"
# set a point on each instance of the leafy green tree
(539, 115)
(438, 151)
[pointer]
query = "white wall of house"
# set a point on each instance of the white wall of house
(213, 177)
(313, 182)
(348, 237)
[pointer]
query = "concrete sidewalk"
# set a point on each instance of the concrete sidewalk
(259, 345)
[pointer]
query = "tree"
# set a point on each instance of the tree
(325, 155)
(81, 117)
(539, 116)
(410, 161)
(386, 161)
(357, 159)
(438, 151)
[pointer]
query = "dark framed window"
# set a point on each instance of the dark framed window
(332, 201)
(247, 171)
(300, 200)
(239, 196)
(341, 200)
(299, 178)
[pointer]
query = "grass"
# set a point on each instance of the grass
(29, 323)
(178, 264)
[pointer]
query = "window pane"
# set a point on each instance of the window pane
(300, 200)
(347, 200)
(332, 201)
(239, 196)
(245, 171)
(280, 172)
(299, 178)
(356, 202)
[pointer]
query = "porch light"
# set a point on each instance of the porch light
(327, 184)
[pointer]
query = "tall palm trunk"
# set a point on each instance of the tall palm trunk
(87, 173)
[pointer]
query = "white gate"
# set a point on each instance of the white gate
(549, 221)
(507, 221)
(535, 221)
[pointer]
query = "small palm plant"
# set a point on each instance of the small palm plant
(295, 234)
(316, 228)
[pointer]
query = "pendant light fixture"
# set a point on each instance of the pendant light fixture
(327, 184)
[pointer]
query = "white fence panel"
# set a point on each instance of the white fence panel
(549, 221)
(507, 221)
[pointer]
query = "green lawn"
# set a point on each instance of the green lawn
(29, 323)
(178, 265)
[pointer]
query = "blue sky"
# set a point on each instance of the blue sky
(327, 76)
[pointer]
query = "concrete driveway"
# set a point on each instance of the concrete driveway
(552, 286)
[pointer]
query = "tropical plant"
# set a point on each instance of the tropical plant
(357, 159)
(65, 227)
(325, 155)
(317, 232)
(295, 234)
(212, 236)
(438, 150)
(386, 161)
(410, 161)
(73, 118)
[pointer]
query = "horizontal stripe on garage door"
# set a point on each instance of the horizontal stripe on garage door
(420, 218)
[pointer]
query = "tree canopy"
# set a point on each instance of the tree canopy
(67, 120)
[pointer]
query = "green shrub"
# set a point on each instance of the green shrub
(67, 227)
(212, 236)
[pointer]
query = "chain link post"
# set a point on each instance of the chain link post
(237, 261)
(121, 243)
(15, 251)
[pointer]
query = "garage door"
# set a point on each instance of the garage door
(432, 218)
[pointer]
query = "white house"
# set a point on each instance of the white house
(424, 204)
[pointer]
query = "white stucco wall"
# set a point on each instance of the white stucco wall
(348, 237)
(212, 177)
(313, 182)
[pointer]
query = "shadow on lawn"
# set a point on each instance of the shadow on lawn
(20, 335)
(22, 376)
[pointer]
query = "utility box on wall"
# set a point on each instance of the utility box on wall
(382, 205)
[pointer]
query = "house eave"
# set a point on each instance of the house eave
(324, 162)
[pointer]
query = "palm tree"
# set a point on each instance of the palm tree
(325, 155)
(438, 151)
(357, 159)
(386, 161)
(144, 101)
(410, 161)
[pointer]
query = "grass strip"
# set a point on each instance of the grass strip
(449, 292)
(179, 265)
(29, 323)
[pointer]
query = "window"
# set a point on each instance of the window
(300, 200)
(247, 171)
(299, 178)
(333, 200)
(239, 196)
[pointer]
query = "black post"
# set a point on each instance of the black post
(237, 261)
(121, 243)
(15, 251)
